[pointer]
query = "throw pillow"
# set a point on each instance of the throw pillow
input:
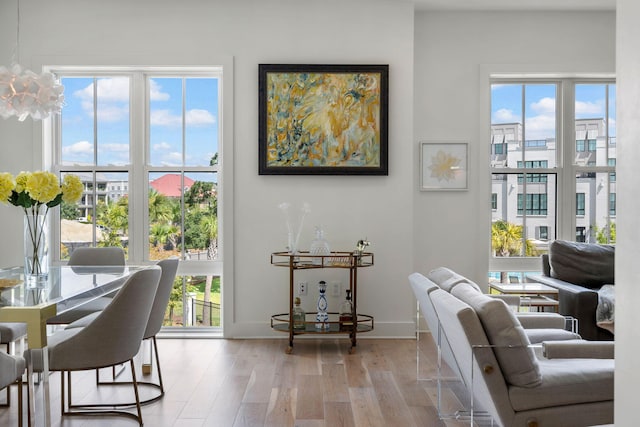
(517, 359)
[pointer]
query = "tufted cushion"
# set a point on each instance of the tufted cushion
(517, 360)
(585, 264)
(446, 279)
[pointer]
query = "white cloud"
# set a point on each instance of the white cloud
(115, 147)
(505, 115)
(113, 98)
(162, 146)
(172, 159)
(198, 117)
(540, 127)
(593, 109)
(544, 106)
(195, 117)
(156, 93)
(80, 148)
(109, 90)
(164, 118)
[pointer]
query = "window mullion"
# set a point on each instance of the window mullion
(567, 172)
(138, 202)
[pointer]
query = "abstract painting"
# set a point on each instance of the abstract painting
(323, 119)
(443, 166)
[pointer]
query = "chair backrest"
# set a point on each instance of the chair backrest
(114, 336)
(463, 330)
(111, 255)
(159, 308)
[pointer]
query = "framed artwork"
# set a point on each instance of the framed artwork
(323, 119)
(443, 166)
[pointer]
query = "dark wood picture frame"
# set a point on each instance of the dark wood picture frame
(323, 119)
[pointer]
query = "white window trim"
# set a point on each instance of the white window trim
(565, 221)
(44, 156)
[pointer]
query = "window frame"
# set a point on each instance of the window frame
(138, 173)
(566, 169)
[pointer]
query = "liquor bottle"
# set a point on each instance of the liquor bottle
(299, 315)
(322, 317)
(346, 313)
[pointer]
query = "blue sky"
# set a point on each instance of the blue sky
(506, 106)
(201, 118)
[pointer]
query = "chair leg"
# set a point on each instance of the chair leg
(20, 418)
(155, 350)
(135, 390)
(31, 398)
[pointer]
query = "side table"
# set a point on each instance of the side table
(531, 295)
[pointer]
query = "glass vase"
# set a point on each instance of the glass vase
(36, 251)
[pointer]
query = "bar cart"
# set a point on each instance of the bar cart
(351, 261)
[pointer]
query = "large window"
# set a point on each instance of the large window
(146, 146)
(543, 183)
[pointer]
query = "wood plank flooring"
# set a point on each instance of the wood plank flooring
(253, 383)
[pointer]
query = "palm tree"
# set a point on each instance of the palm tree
(160, 209)
(161, 233)
(209, 225)
(506, 238)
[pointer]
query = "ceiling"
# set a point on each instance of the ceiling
(515, 5)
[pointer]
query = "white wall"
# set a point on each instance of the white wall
(194, 32)
(627, 251)
(454, 53)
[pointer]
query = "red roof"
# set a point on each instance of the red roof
(170, 186)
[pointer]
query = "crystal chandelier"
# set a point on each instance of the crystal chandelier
(24, 93)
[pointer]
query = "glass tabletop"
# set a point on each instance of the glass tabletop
(67, 286)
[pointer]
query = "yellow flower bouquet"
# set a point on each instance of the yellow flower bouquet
(37, 192)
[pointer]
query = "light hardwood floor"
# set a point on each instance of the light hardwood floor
(251, 383)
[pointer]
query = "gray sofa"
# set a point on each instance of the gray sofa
(578, 271)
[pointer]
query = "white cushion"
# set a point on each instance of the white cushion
(447, 279)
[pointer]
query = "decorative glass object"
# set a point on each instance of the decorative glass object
(36, 251)
(299, 315)
(293, 231)
(319, 246)
(322, 318)
(346, 313)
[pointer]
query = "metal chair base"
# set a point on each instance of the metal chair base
(159, 386)
(94, 409)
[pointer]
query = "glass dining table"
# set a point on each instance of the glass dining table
(67, 287)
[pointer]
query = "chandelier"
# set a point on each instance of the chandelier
(24, 93)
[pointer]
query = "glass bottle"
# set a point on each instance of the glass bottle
(322, 317)
(319, 246)
(346, 313)
(299, 315)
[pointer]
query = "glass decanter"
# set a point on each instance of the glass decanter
(319, 246)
